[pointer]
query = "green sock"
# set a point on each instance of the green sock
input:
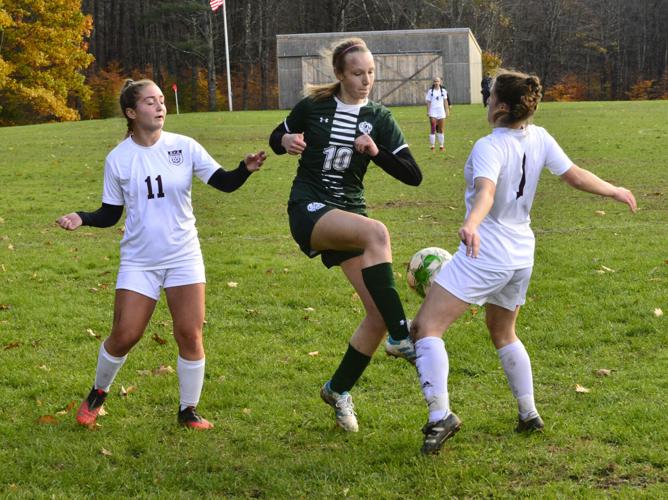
(349, 371)
(380, 283)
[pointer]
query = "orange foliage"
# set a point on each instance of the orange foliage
(569, 88)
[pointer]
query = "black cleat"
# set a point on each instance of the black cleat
(436, 433)
(532, 425)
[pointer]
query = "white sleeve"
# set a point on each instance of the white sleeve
(556, 160)
(427, 98)
(203, 164)
(486, 160)
(112, 192)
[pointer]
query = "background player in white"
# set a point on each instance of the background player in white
(494, 261)
(438, 108)
(337, 130)
(150, 173)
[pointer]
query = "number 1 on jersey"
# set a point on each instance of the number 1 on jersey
(161, 194)
(523, 180)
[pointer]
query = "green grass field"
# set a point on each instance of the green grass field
(598, 279)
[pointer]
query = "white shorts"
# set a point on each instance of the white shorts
(150, 283)
(504, 288)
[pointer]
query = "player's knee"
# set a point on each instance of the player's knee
(377, 235)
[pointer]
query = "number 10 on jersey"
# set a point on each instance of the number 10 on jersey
(337, 158)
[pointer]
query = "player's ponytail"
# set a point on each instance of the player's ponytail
(128, 99)
(520, 92)
(337, 53)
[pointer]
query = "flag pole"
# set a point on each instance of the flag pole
(176, 96)
(227, 59)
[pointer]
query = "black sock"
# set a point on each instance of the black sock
(380, 283)
(349, 371)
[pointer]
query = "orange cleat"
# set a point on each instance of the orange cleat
(191, 419)
(90, 407)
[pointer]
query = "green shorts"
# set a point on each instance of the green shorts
(303, 217)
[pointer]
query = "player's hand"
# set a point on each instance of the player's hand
(364, 145)
(471, 239)
(293, 143)
(69, 221)
(254, 161)
(623, 195)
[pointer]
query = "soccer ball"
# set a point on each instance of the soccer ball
(424, 266)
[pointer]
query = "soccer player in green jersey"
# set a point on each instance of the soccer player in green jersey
(337, 130)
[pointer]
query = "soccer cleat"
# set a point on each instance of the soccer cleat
(432, 148)
(343, 407)
(189, 418)
(90, 407)
(404, 348)
(532, 425)
(436, 433)
(442, 148)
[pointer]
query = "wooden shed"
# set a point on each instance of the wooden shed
(406, 63)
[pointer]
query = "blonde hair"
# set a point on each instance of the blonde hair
(129, 96)
(338, 53)
(521, 92)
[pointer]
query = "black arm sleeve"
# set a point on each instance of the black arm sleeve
(275, 139)
(229, 181)
(105, 216)
(401, 166)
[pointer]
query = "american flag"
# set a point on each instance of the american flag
(215, 4)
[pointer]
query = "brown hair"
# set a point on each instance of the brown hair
(129, 95)
(338, 53)
(520, 92)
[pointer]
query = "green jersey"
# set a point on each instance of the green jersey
(330, 170)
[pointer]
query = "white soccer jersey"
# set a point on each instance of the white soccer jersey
(436, 100)
(154, 184)
(513, 159)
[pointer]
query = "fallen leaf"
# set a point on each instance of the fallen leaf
(92, 333)
(246, 411)
(5, 307)
(600, 212)
(313, 353)
(232, 284)
(143, 373)
(608, 270)
(309, 309)
(474, 311)
(163, 370)
(44, 367)
(11, 345)
(159, 339)
(102, 412)
(10, 247)
(603, 372)
(93, 290)
(581, 389)
(47, 420)
(658, 312)
(105, 452)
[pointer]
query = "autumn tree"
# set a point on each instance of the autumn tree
(42, 54)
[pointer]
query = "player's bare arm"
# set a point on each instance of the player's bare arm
(584, 180)
(482, 204)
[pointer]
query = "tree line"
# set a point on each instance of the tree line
(581, 49)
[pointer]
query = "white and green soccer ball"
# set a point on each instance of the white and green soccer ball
(424, 266)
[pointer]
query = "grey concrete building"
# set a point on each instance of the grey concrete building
(406, 63)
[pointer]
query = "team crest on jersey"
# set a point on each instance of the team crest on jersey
(175, 157)
(365, 127)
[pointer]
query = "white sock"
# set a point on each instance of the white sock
(432, 367)
(191, 380)
(107, 368)
(441, 139)
(517, 365)
(432, 139)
